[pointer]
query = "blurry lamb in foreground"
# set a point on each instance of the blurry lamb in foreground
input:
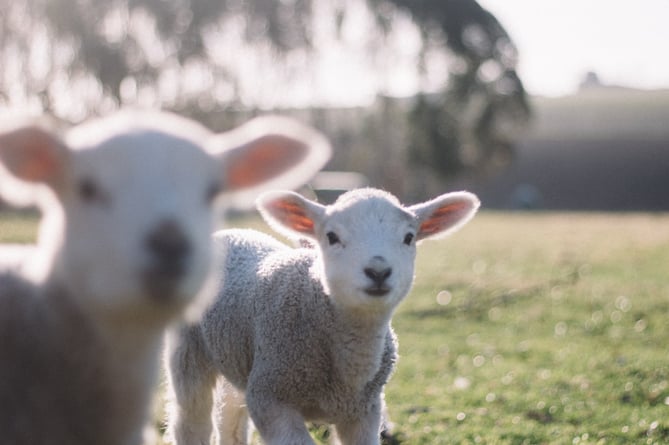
(124, 249)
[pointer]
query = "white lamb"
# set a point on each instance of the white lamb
(303, 334)
(123, 251)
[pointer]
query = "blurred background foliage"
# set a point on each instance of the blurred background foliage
(77, 58)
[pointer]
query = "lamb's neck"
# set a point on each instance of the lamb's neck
(127, 340)
(126, 354)
(360, 340)
(135, 347)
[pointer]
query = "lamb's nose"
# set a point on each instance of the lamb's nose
(378, 276)
(378, 270)
(168, 245)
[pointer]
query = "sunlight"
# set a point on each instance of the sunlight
(559, 41)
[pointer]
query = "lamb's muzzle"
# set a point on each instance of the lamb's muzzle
(170, 253)
(378, 271)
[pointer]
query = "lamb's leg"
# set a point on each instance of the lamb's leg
(362, 431)
(277, 424)
(230, 414)
(387, 425)
(190, 391)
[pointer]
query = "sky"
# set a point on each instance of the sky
(626, 42)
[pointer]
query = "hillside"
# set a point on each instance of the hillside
(602, 114)
(605, 149)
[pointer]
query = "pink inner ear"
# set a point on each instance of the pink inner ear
(264, 159)
(292, 215)
(42, 167)
(443, 218)
(32, 154)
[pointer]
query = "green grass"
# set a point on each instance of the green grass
(18, 226)
(533, 329)
(550, 329)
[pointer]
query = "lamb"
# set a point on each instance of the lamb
(123, 251)
(303, 334)
(15, 256)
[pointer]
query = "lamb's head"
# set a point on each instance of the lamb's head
(135, 194)
(367, 239)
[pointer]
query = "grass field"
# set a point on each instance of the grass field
(531, 329)
(537, 329)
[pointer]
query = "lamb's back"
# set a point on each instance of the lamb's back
(254, 283)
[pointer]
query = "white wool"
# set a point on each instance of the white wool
(301, 335)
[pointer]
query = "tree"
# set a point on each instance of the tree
(77, 57)
(472, 123)
(109, 46)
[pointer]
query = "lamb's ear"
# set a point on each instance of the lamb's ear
(290, 214)
(268, 153)
(444, 214)
(30, 155)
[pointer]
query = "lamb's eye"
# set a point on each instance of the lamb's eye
(408, 238)
(90, 192)
(332, 238)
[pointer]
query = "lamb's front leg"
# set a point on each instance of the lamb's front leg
(190, 390)
(278, 424)
(230, 414)
(361, 431)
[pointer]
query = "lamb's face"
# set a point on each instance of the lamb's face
(367, 239)
(368, 248)
(138, 212)
(128, 200)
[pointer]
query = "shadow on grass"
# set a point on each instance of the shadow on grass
(323, 434)
(391, 438)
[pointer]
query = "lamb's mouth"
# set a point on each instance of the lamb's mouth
(377, 291)
(162, 283)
